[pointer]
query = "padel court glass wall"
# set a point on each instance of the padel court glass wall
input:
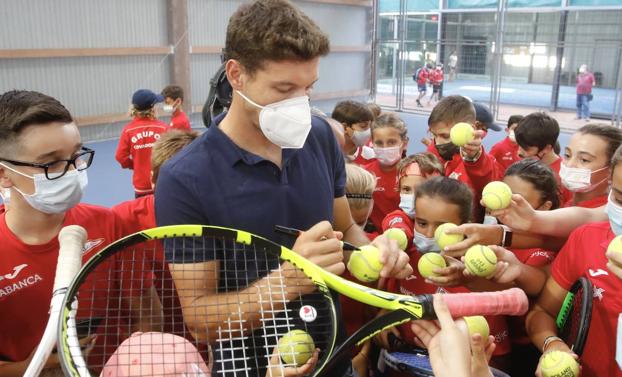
(517, 55)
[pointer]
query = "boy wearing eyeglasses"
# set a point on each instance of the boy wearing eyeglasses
(43, 164)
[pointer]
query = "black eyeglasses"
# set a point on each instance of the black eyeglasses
(56, 169)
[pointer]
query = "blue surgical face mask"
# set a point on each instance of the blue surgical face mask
(407, 204)
(425, 244)
(614, 212)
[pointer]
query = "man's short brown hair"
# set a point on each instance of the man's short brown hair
(174, 92)
(451, 110)
(272, 30)
(169, 144)
(22, 108)
(352, 112)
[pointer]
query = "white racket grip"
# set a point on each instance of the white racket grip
(71, 239)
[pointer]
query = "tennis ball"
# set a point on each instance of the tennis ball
(296, 347)
(497, 195)
(430, 262)
(443, 239)
(365, 264)
(478, 325)
(461, 134)
(558, 364)
(480, 260)
(399, 236)
(615, 246)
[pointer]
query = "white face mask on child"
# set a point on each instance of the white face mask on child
(425, 244)
(407, 204)
(388, 156)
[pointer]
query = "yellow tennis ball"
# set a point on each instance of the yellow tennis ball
(365, 264)
(399, 236)
(480, 260)
(296, 347)
(430, 262)
(461, 134)
(559, 364)
(478, 325)
(615, 246)
(443, 239)
(497, 195)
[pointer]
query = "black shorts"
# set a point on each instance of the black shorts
(436, 88)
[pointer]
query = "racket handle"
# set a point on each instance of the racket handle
(512, 301)
(71, 240)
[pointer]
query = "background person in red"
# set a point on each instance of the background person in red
(39, 141)
(421, 76)
(173, 102)
(506, 151)
(356, 119)
(390, 141)
(585, 170)
(137, 138)
(585, 82)
(436, 79)
(584, 255)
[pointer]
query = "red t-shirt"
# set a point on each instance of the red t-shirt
(362, 155)
(436, 77)
(386, 195)
(423, 76)
(415, 285)
(505, 152)
(399, 219)
(179, 121)
(134, 150)
(531, 257)
(137, 214)
(28, 272)
(584, 255)
(598, 201)
(585, 82)
(565, 194)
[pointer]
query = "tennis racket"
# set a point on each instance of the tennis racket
(241, 318)
(573, 319)
(71, 241)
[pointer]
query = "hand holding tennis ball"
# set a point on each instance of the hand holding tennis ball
(430, 262)
(443, 239)
(480, 261)
(365, 264)
(558, 364)
(478, 325)
(399, 236)
(461, 133)
(496, 195)
(296, 347)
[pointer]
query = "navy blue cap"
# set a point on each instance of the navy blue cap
(144, 99)
(483, 115)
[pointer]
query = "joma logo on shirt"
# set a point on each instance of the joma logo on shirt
(16, 271)
(24, 283)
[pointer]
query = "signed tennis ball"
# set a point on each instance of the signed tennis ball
(399, 236)
(478, 325)
(443, 239)
(559, 364)
(461, 134)
(365, 264)
(296, 347)
(497, 195)
(430, 262)
(615, 246)
(480, 260)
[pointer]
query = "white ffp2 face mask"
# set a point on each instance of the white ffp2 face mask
(407, 204)
(388, 156)
(55, 196)
(578, 179)
(285, 123)
(168, 109)
(361, 138)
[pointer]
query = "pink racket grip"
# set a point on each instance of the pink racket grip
(512, 301)
(71, 240)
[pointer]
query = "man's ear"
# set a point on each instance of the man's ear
(234, 73)
(545, 206)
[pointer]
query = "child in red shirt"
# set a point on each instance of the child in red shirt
(173, 102)
(356, 119)
(412, 171)
(583, 255)
(585, 170)
(390, 142)
(470, 163)
(436, 79)
(137, 139)
(506, 151)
